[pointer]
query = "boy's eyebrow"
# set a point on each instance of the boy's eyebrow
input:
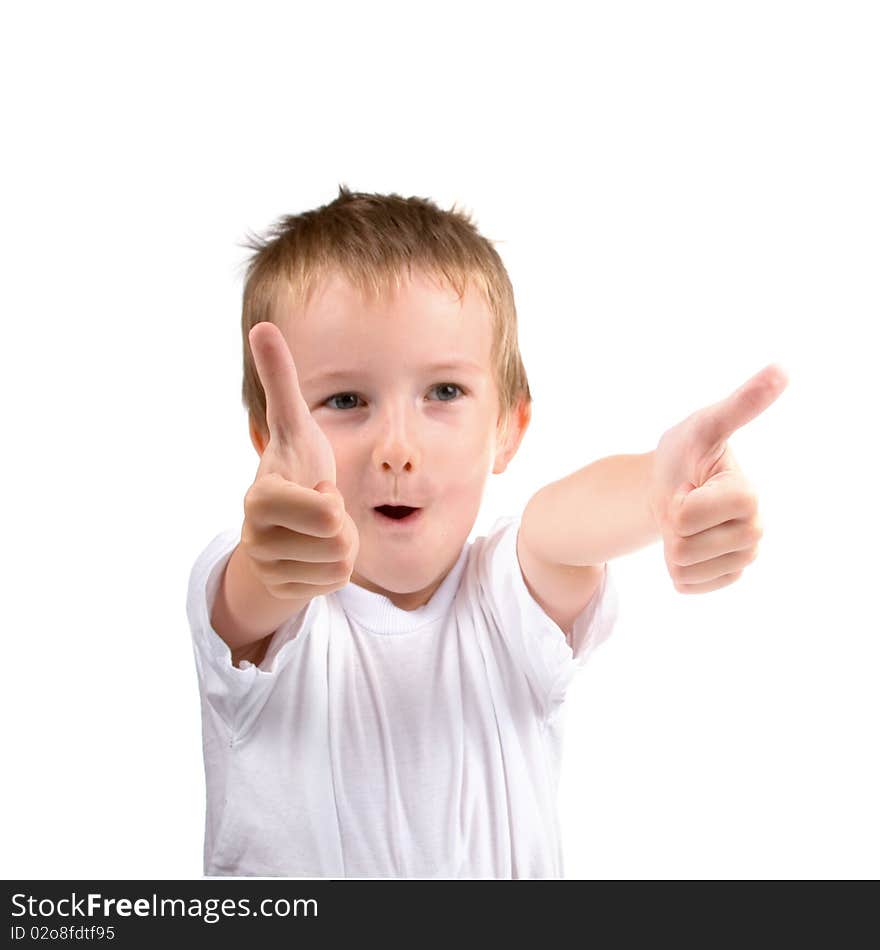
(445, 366)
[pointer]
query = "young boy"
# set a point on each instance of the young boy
(381, 698)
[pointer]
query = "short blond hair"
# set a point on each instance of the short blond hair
(372, 240)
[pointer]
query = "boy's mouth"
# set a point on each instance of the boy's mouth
(399, 513)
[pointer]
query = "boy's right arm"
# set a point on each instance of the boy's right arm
(244, 611)
(297, 540)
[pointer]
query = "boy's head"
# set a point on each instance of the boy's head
(378, 289)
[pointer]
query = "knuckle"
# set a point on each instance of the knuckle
(677, 523)
(341, 516)
(749, 501)
(339, 546)
(676, 551)
(260, 496)
(276, 590)
(332, 519)
(252, 499)
(352, 535)
(347, 564)
(247, 536)
(267, 572)
(727, 579)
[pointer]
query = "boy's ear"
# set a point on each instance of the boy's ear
(511, 434)
(258, 440)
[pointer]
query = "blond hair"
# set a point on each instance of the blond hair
(372, 239)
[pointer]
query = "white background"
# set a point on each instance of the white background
(682, 193)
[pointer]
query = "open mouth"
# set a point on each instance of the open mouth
(397, 512)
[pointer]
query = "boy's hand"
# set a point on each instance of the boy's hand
(299, 539)
(703, 506)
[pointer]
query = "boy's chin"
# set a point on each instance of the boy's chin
(391, 582)
(410, 587)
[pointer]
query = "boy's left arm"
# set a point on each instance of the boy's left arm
(688, 491)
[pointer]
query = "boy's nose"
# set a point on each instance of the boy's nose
(397, 455)
(395, 447)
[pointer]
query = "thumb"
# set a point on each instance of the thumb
(718, 422)
(286, 411)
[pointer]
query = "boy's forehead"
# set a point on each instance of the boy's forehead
(421, 317)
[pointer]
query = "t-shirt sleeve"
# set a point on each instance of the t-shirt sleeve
(546, 655)
(235, 693)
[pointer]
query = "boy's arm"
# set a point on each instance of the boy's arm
(593, 515)
(571, 527)
(245, 614)
(689, 491)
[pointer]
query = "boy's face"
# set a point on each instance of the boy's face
(403, 432)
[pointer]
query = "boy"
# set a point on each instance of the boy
(379, 697)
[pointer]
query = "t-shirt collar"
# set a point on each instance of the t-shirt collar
(377, 613)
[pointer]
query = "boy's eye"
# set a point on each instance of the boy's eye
(440, 387)
(343, 396)
(447, 386)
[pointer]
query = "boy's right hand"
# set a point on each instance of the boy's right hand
(299, 539)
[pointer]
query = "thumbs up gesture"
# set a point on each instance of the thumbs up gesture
(298, 450)
(703, 506)
(299, 539)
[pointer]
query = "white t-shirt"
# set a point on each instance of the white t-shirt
(377, 742)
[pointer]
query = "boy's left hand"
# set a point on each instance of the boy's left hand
(704, 508)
